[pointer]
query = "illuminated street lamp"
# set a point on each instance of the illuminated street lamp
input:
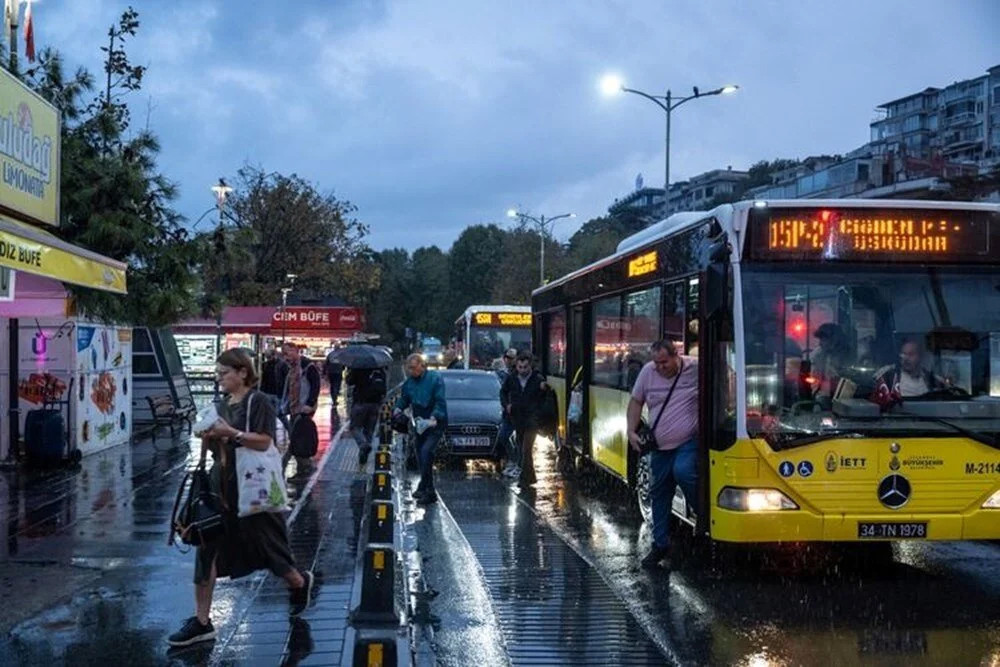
(612, 84)
(541, 223)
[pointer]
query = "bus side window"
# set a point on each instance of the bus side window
(673, 311)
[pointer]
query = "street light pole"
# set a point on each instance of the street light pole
(284, 322)
(611, 85)
(12, 38)
(541, 222)
(284, 304)
(221, 191)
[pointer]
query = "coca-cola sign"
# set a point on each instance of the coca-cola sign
(317, 319)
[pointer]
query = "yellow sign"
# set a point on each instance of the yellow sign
(376, 655)
(503, 319)
(643, 264)
(515, 319)
(29, 153)
(25, 248)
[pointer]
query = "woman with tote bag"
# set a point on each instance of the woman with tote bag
(250, 543)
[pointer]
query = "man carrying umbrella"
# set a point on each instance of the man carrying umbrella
(367, 380)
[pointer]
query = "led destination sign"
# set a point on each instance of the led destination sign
(872, 234)
(502, 320)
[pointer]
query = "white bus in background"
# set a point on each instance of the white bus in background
(484, 333)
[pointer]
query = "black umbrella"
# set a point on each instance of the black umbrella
(362, 356)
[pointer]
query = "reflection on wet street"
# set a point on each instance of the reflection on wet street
(919, 603)
(85, 570)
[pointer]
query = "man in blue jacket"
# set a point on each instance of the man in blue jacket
(423, 393)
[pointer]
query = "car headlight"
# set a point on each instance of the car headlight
(993, 502)
(754, 500)
(424, 357)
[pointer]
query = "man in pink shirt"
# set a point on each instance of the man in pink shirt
(672, 378)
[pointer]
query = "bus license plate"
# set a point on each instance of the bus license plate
(882, 530)
(470, 441)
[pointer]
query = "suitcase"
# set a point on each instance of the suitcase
(45, 437)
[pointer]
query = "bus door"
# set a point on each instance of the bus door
(577, 378)
(716, 379)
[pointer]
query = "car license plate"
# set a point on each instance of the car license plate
(889, 641)
(883, 530)
(470, 441)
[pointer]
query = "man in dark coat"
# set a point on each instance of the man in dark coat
(368, 389)
(521, 398)
(272, 382)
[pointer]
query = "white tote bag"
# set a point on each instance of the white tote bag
(260, 478)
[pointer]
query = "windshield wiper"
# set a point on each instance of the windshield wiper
(986, 439)
(801, 437)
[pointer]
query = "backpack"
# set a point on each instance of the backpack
(374, 389)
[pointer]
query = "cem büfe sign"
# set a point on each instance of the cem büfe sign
(318, 319)
(29, 153)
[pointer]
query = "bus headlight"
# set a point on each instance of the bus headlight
(993, 502)
(754, 500)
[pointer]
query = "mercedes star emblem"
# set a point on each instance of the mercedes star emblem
(894, 491)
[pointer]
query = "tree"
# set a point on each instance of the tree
(113, 200)
(431, 297)
(283, 224)
(520, 273)
(973, 187)
(392, 305)
(475, 261)
(599, 237)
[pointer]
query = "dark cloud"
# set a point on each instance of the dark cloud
(434, 115)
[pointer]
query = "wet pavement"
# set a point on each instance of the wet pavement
(549, 559)
(88, 578)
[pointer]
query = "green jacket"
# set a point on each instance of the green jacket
(425, 395)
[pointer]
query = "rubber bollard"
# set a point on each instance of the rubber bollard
(380, 522)
(383, 461)
(378, 581)
(374, 653)
(382, 486)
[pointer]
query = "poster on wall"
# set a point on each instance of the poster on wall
(103, 395)
(197, 353)
(45, 365)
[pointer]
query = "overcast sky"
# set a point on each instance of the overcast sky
(437, 114)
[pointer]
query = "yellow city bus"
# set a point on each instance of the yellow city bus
(484, 333)
(885, 426)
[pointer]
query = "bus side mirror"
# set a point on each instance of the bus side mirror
(717, 281)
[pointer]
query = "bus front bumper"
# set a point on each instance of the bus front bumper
(803, 526)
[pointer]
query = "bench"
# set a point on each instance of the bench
(165, 412)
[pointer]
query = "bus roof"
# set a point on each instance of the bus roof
(679, 222)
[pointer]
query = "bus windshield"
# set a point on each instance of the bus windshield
(852, 350)
(489, 343)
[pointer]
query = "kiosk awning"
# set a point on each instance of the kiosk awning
(33, 250)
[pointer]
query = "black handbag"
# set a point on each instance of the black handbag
(197, 515)
(303, 438)
(400, 423)
(647, 433)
